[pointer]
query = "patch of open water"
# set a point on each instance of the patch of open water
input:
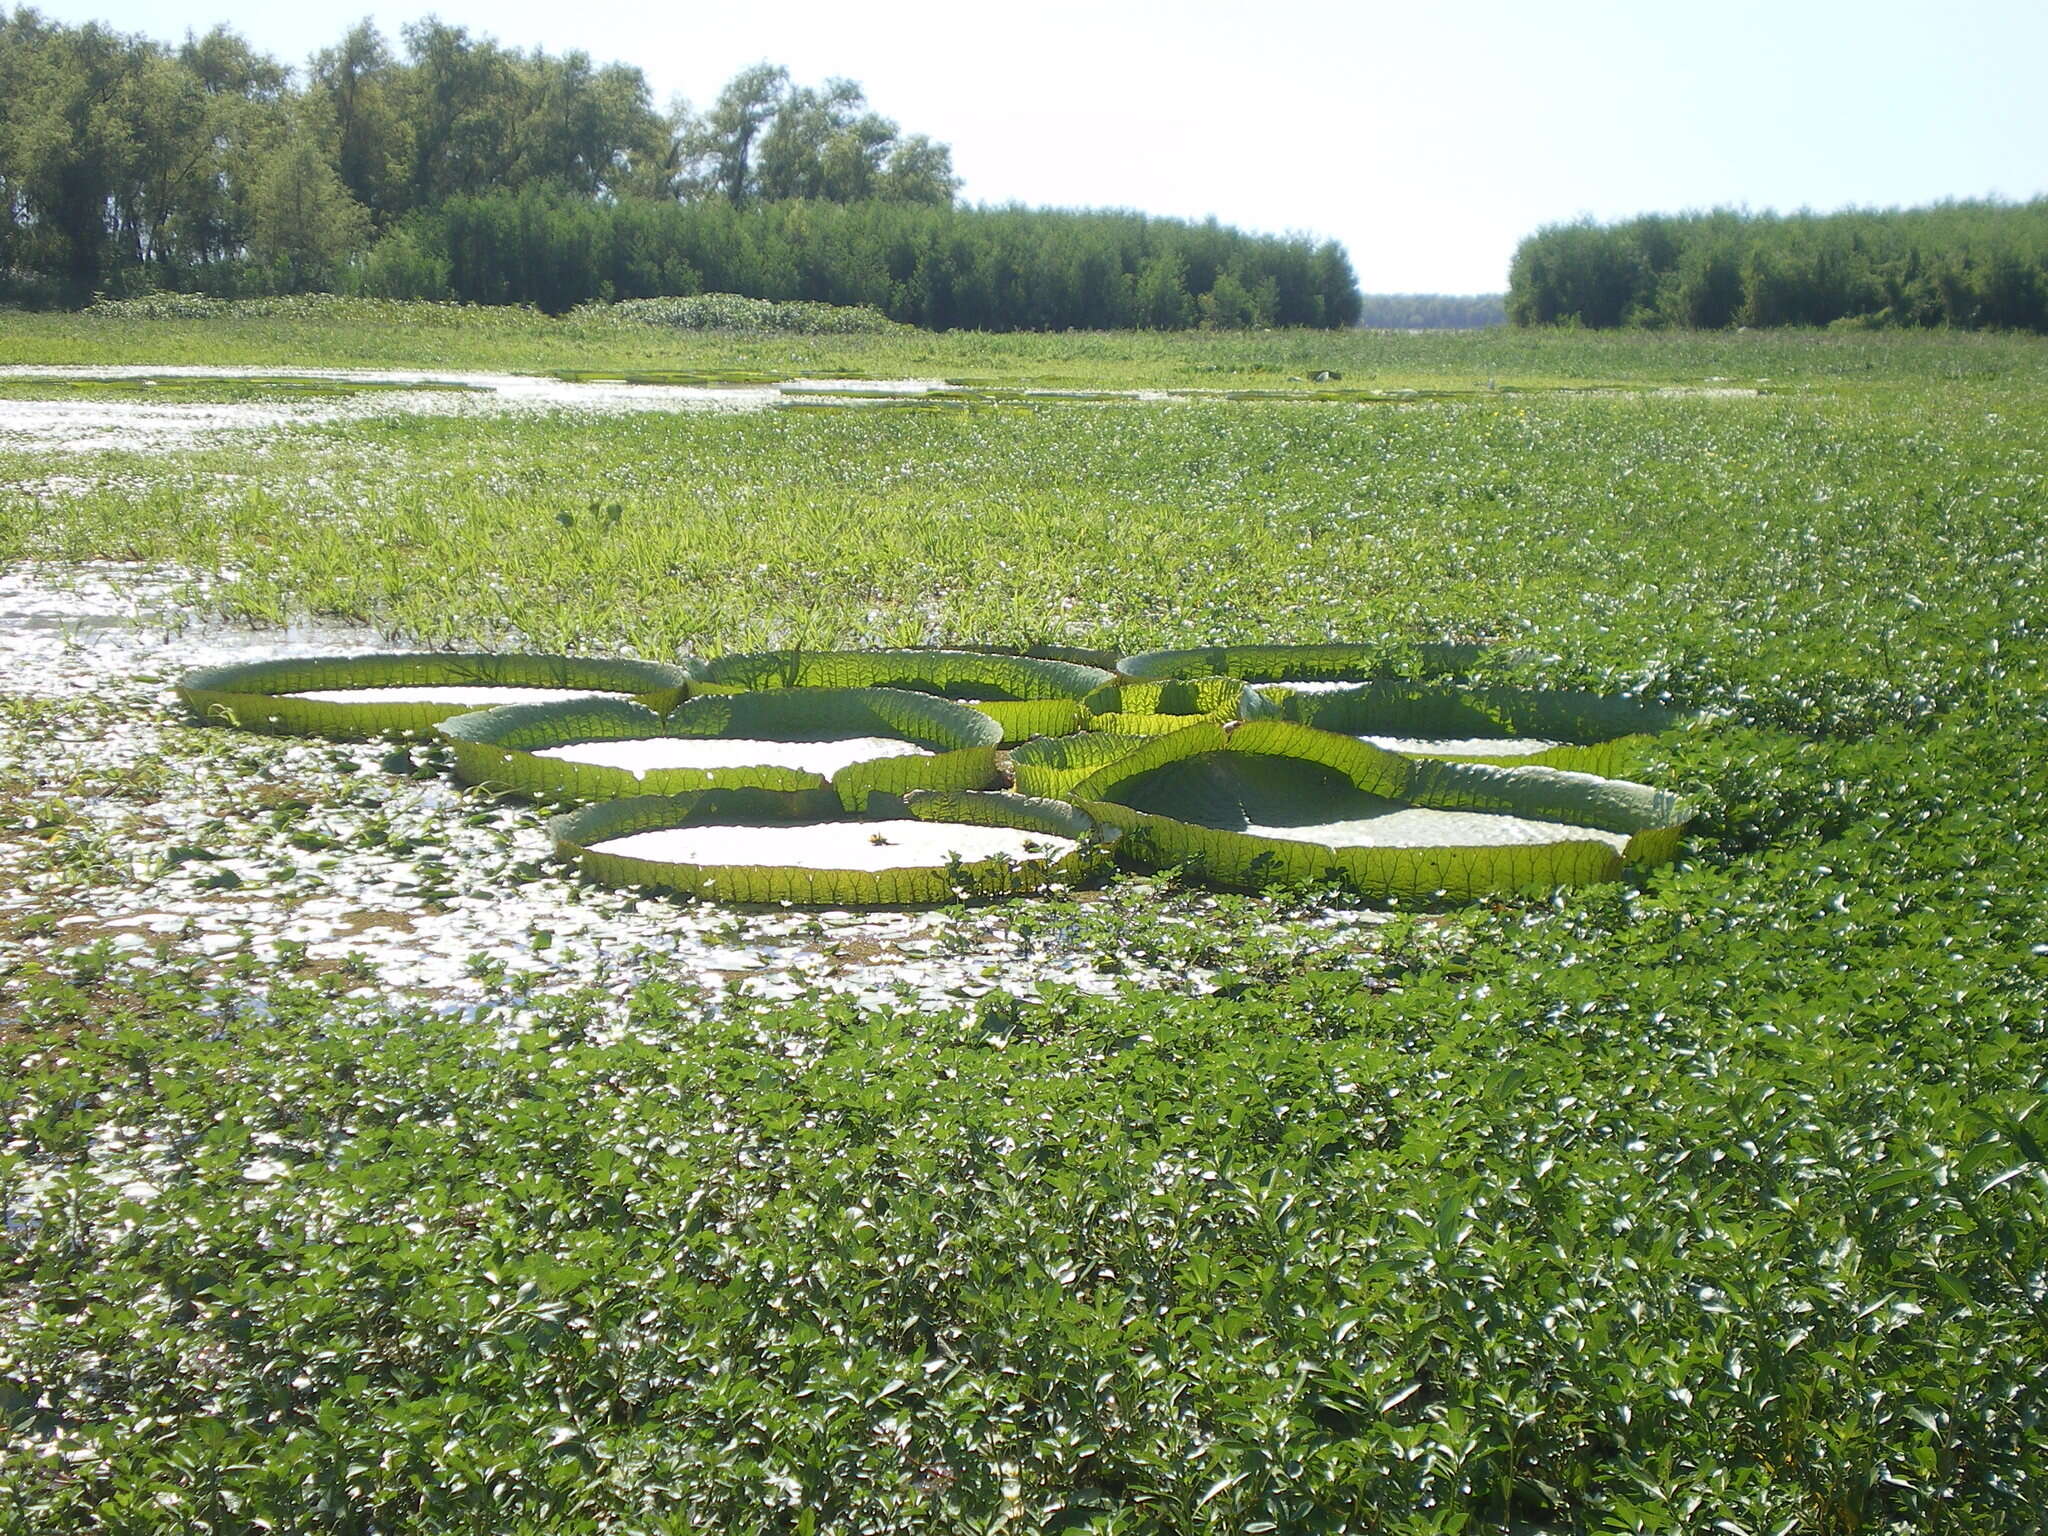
(133, 422)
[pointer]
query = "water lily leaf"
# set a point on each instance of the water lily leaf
(861, 740)
(1272, 800)
(1053, 765)
(923, 849)
(408, 692)
(1513, 727)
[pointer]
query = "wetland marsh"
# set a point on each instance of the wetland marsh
(366, 1169)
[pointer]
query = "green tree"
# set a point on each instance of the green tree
(721, 144)
(303, 225)
(1163, 303)
(919, 170)
(358, 82)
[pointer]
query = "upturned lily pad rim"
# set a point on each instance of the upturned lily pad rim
(1653, 819)
(1052, 765)
(259, 695)
(1539, 794)
(1416, 707)
(577, 833)
(1139, 707)
(500, 748)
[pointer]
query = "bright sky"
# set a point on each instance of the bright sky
(1427, 138)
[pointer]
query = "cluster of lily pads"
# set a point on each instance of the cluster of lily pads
(917, 777)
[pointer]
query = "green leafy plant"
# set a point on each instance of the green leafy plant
(1266, 801)
(497, 748)
(582, 834)
(260, 696)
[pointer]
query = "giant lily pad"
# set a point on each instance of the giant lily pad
(1271, 800)
(1026, 695)
(1512, 727)
(758, 845)
(355, 698)
(856, 740)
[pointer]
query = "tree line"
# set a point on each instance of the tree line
(1432, 311)
(1970, 265)
(451, 167)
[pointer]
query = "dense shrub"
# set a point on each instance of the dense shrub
(1969, 265)
(730, 313)
(943, 268)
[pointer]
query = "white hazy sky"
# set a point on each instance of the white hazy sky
(1427, 138)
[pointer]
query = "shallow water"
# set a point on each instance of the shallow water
(101, 626)
(645, 756)
(136, 423)
(850, 845)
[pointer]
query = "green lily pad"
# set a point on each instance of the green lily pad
(762, 845)
(856, 740)
(1052, 765)
(1269, 800)
(1152, 708)
(357, 698)
(1511, 727)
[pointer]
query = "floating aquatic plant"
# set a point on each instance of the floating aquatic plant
(1518, 727)
(761, 845)
(1053, 765)
(1152, 708)
(355, 698)
(1268, 800)
(857, 740)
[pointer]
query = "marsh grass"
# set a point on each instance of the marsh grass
(392, 334)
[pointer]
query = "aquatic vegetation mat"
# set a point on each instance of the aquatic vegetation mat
(1267, 801)
(763, 845)
(1026, 695)
(1264, 664)
(856, 740)
(354, 698)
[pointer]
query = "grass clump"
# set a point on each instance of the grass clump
(732, 314)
